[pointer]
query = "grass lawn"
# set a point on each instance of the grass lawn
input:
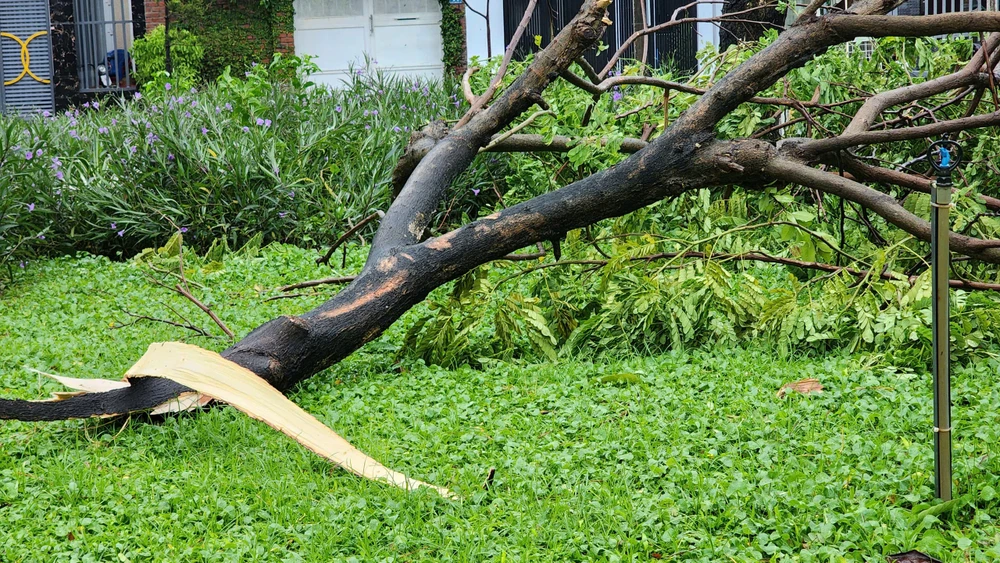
(688, 456)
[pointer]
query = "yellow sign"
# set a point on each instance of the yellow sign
(25, 57)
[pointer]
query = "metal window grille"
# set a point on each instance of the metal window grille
(675, 46)
(104, 45)
(25, 57)
(932, 7)
(863, 45)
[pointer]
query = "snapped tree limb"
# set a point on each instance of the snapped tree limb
(402, 268)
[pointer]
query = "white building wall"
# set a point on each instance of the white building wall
(708, 32)
(475, 28)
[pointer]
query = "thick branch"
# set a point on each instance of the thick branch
(846, 141)
(409, 215)
(884, 205)
(869, 173)
(875, 105)
(514, 143)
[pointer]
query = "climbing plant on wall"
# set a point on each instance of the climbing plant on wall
(452, 38)
(234, 34)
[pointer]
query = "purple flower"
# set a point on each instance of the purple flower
(260, 121)
(337, 109)
(475, 191)
(291, 194)
(359, 72)
(368, 126)
(366, 113)
(396, 129)
(184, 229)
(41, 237)
(74, 134)
(102, 130)
(38, 152)
(114, 226)
(86, 105)
(228, 106)
(616, 95)
(167, 86)
(121, 233)
(204, 131)
(59, 175)
(29, 155)
(31, 207)
(138, 96)
(246, 129)
(374, 112)
(114, 122)
(187, 114)
(95, 105)
(218, 110)
(282, 214)
(194, 90)
(194, 103)
(133, 149)
(45, 113)
(22, 264)
(170, 156)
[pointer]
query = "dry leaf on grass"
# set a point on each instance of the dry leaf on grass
(210, 374)
(803, 386)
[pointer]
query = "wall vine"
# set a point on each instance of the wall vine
(452, 38)
(234, 33)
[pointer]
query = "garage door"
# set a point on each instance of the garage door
(404, 36)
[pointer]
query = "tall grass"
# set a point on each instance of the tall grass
(268, 153)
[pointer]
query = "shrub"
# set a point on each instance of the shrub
(288, 160)
(186, 56)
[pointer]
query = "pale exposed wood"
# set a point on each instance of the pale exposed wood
(209, 373)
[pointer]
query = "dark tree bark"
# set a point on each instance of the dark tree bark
(402, 268)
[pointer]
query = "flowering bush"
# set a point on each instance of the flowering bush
(287, 159)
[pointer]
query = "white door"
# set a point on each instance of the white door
(408, 36)
(403, 36)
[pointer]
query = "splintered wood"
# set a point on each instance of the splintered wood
(215, 377)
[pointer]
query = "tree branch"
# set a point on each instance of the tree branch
(845, 141)
(884, 205)
(325, 259)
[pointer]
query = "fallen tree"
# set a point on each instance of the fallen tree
(403, 266)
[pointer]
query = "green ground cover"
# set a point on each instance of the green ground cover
(688, 456)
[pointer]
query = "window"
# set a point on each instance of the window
(103, 45)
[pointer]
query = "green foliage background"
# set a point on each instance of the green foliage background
(186, 56)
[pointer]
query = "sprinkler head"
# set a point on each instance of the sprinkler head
(944, 156)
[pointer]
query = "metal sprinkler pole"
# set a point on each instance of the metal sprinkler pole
(944, 156)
